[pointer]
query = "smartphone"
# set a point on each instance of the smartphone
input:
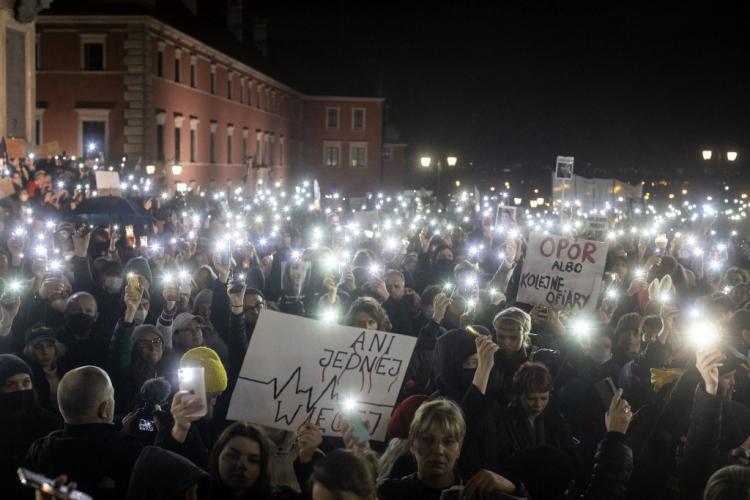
(144, 241)
(238, 278)
(355, 421)
(146, 425)
(134, 283)
(130, 235)
(453, 493)
(192, 381)
(47, 486)
(606, 390)
(185, 280)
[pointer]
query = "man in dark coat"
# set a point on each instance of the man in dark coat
(90, 449)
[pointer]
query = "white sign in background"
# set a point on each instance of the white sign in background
(298, 369)
(562, 272)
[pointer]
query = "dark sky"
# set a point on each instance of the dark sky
(617, 84)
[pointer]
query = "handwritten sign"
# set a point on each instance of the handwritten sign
(15, 147)
(564, 167)
(562, 272)
(108, 183)
(299, 369)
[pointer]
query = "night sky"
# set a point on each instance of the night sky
(620, 85)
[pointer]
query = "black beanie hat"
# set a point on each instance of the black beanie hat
(10, 365)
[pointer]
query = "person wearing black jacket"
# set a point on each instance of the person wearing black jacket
(22, 421)
(90, 449)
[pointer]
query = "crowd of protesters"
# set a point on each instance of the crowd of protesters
(501, 399)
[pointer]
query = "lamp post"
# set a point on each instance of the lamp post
(731, 156)
(426, 162)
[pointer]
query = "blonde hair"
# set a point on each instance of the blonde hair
(441, 413)
(518, 316)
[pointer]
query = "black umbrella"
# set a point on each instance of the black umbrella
(107, 210)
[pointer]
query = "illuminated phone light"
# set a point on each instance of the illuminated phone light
(703, 334)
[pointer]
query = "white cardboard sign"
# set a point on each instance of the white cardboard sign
(562, 272)
(299, 369)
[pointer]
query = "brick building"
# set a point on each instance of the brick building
(129, 83)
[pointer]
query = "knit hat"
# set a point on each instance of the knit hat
(142, 330)
(139, 265)
(400, 422)
(183, 320)
(37, 334)
(10, 365)
(214, 373)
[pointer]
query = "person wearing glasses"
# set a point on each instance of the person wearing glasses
(138, 353)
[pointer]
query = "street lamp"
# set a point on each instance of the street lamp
(425, 161)
(732, 155)
(176, 170)
(452, 160)
(150, 169)
(707, 154)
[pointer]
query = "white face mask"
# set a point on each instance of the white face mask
(113, 284)
(58, 305)
(140, 316)
(601, 356)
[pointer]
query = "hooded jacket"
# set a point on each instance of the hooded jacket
(160, 474)
(449, 378)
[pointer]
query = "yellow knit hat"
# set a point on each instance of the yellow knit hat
(213, 370)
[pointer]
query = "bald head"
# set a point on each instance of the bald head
(86, 396)
(82, 302)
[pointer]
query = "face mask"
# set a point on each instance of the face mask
(58, 304)
(601, 356)
(428, 311)
(140, 316)
(14, 405)
(113, 284)
(80, 322)
(100, 248)
(410, 268)
(443, 267)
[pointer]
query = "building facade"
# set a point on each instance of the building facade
(133, 86)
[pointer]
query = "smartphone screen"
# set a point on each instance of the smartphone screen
(192, 381)
(145, 425)
(359, 430)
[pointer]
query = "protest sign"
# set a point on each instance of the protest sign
(298, 369)
(562, 272)
(564, 167)
(6, 188)
(47, 150)
(15, 147)
(108, 183)
(597, 227)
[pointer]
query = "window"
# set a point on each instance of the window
(177, 144)
(213, 80)
(37, 131)
(212, 144)
(160, 142)
(192, 72)
(92, 52)
(244, 144)
(358, 119)
(332, 118)
(94, 134)
(281, 150)
(387, 153)
(242, 91)
(38, 53)
(192, 145)
(358, 155)
(177, 57)
(258, 146)
(331, 154)
(229, 87)
(272, 150)
(230, 133)
(160, 63)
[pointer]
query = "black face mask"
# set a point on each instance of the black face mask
(14, 405)
(99, 249)
(80, 323)
(443, 268)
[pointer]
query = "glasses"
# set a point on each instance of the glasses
(157, 342)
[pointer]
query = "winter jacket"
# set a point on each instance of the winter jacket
(613, 465)
(412, 488)
(17, 433)
(160, 474)
(495, 434)
(417, 378)
(95, 456)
